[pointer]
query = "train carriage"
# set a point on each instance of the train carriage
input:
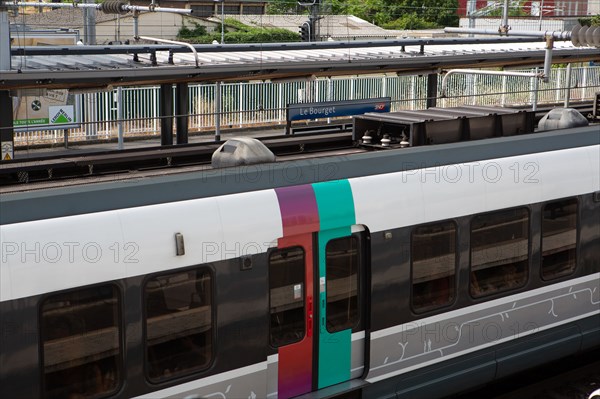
(408, 272)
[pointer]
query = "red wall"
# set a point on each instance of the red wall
(552, 8)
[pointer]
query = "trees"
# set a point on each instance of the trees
(240, 33)
(590, 21)
(397, 14)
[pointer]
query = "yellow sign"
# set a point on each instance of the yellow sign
(7, 151)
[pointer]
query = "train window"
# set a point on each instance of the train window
(499, 251)
(286, 296)
(559, 238)
(81, 343)
(178, 323)
(433, 261)
(341, 268)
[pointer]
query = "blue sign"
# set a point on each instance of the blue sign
(329, 109)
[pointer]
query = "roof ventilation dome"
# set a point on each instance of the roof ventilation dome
(562, 118)
(241, 151)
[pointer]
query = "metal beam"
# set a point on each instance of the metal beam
(166, 114)
(181, 111)
(432, 94)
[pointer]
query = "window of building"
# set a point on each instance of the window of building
(252, 10)
(433, 262)
(286, 296)
(178, 323)
(499, 251)
(81, 343)
(559, 238)
(230, 9)
(342, 258)
(203, 10)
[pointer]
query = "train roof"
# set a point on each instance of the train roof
(66, 197)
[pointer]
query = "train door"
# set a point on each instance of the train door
(316, 284)
(316, 316)
(291, 316)
(340, 274)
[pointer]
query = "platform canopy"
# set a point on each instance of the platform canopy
(107, 66)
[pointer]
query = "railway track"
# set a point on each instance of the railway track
(60, 167)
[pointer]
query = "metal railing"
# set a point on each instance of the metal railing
(252, 104)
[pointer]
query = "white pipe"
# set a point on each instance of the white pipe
(548, 59)
(124, 7)
(542, 34)
(172, 42)
(482, 72)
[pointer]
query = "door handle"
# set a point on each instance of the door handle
(309, 317)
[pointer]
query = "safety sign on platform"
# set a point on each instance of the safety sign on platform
(7, 151)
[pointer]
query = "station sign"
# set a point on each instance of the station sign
(330, 109)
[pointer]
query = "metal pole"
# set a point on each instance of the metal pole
(91, 128)
(541, 13)
(471, 8)
(4, 40)
(120, 117)
(314, 22)
(218, 111)
(504, 27)
(568, 86)
(89, 20)
(534, 92)
(503, 95)
(584, 82)
(222, 21)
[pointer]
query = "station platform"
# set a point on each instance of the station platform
(81, 147)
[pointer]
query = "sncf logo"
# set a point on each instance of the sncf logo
(379, 107)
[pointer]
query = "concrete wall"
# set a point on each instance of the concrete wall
(160, 25)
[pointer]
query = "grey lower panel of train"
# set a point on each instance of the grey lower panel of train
(416, 344)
